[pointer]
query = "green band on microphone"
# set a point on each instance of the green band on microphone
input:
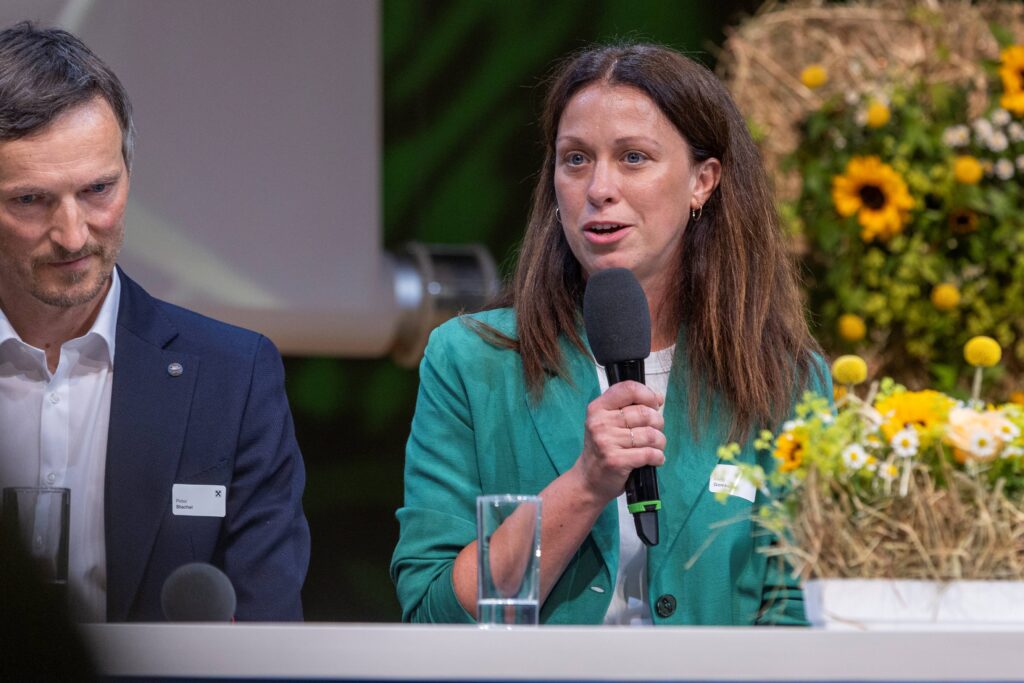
(644, 506)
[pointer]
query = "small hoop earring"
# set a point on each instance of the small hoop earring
(558, 215)
(695, 214)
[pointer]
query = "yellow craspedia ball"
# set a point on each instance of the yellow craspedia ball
(849, 370)
(983, 352)
(967, 170)
(814, 76)
(878, 115)
(851, 327)
(945, 297)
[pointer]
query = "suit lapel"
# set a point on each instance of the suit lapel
(148, 416)
(559, 417)
(684, 479)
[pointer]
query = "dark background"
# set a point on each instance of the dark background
(461, 95)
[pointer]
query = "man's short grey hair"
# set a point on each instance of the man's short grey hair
(46, 71)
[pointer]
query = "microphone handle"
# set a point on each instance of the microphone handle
(642, 498)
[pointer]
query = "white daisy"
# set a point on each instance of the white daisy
(1015, 131)
(1000, 117)
(889, 471)
(982, 444)
(956, 136)
(1006, 430)
(1004, 169)
(1020, 163)
(982, 129)
(826, 418)
(997, 142)
(871, 464)
(905, 442)
(790, 425)
(854, 456)
(1012, 452)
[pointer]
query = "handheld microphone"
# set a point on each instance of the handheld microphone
(618, 324)
(198, 592)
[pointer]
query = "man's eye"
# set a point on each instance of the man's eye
(99, 188)
(26, 199)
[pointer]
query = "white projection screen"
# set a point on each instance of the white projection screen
(255, 190)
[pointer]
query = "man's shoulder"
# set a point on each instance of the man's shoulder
(192, 331)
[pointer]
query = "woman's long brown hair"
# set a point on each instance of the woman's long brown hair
(736, 293)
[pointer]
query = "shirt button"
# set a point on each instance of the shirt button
(665, 606)
(51, 477)
(54, 399)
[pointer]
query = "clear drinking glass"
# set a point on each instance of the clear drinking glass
(40, 518)
(508, 560)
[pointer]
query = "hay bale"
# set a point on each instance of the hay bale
(865, 47)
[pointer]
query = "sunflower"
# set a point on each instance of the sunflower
(921, 410)
(1011, 70)
(876, 193)
(789, 450)
(963, 221)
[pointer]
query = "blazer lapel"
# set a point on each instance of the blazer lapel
(148, 416)
(559, 417)
(686, 475)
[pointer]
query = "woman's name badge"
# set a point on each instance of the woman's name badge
(727, 479)
(198, 500)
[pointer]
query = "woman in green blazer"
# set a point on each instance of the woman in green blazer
(649, 167)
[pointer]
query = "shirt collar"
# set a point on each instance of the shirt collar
(105, 325)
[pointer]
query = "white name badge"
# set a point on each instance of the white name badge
(198, 500)
(727, 478)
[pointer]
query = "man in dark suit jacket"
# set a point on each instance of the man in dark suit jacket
(182, 450)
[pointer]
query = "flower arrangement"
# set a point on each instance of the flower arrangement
(897, 483)
(913, 220)
(902, 174)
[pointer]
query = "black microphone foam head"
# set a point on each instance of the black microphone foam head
(616, 316)
(198, 592)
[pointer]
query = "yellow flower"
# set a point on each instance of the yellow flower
(982, 352)
(922, 410)
(945, 297)
(851, 327)
(876, 193)
(878, 115)
(789, 450)
(814, 76)
(849, 370)
(967, 170)
(1017, 397)
(1012, 72)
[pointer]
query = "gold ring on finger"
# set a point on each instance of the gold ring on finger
(632, 441)
(624, 420)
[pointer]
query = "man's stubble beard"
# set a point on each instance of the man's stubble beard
(65, 297)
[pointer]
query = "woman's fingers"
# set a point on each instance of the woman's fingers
(623, 431)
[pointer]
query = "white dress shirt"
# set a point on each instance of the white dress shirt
(629, 603)
(53, 433)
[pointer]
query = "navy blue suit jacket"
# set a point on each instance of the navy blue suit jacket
(223, 420)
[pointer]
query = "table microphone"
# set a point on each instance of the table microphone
(198, 592)
(618, 324)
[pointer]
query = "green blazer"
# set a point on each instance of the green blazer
(476, 431)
